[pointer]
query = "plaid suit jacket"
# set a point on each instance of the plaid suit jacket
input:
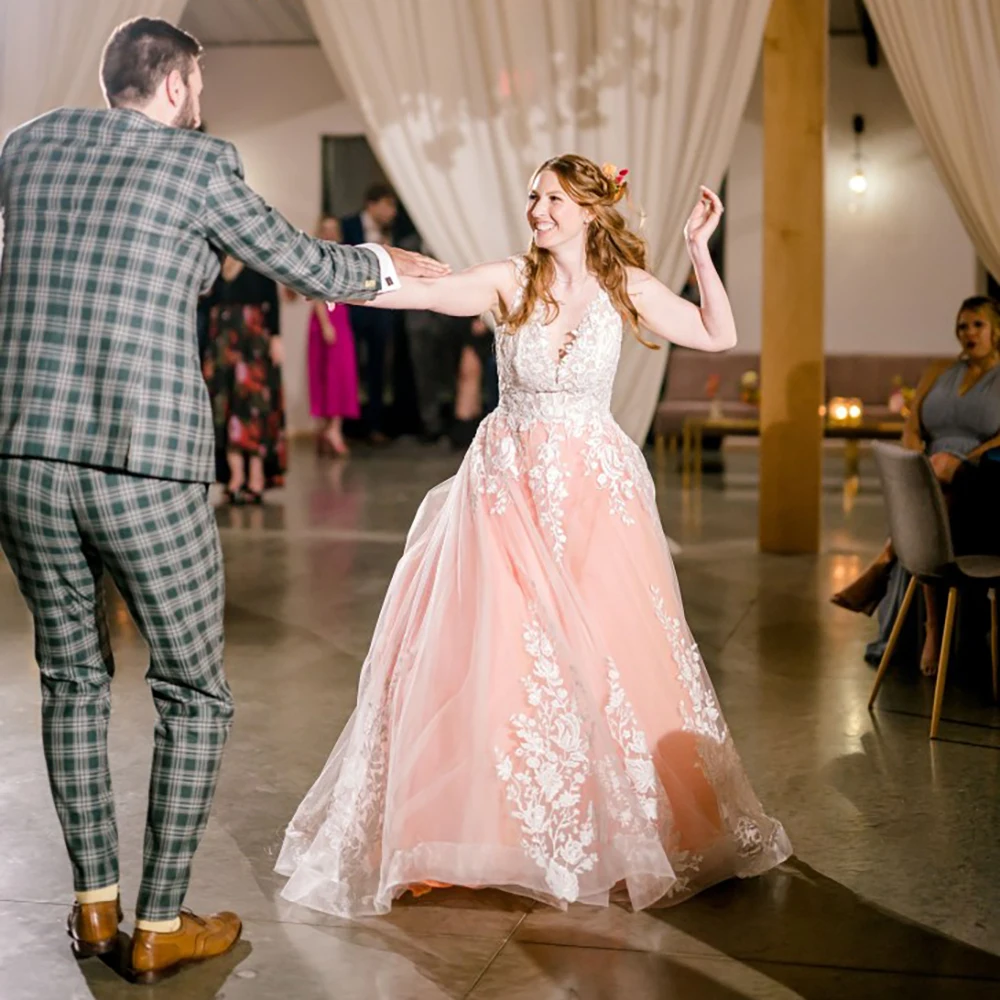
(111, 226)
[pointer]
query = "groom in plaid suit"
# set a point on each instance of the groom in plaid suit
(113, 224)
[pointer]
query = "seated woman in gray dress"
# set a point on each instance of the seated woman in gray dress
(955, 419)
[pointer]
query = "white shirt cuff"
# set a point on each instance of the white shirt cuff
(390, 280)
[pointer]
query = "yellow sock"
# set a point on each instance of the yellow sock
(159, 926)
(106, 895)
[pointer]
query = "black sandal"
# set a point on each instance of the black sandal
(251, 497)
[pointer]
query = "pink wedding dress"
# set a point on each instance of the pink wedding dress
(533, 713)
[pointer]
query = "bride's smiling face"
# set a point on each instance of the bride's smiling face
(554, 217)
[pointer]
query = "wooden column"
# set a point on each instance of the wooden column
(795, 81)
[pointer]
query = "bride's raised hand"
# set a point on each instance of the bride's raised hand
(704, 218)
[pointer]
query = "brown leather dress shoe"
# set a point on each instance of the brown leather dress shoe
(93, 927)
(157, 954)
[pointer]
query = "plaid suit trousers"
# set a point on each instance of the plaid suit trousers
(62, 527)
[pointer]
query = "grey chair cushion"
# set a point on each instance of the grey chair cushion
(918, 517)
(980, 567)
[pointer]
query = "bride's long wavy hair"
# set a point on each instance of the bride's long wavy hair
(611, 245)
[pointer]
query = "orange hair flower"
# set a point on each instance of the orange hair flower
(617, 177)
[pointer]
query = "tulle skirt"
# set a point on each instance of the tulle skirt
(533, 713)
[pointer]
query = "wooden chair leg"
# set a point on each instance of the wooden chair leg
(897, 627)
(949, 625)
(994, 641)
(660, 448)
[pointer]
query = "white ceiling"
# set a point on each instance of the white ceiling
(285, 22)
(248, 22)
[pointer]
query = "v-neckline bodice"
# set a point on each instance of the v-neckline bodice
(572, 335)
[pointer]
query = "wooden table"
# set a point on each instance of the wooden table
(695, 428)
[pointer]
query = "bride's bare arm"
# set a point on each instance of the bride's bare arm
(669, 317)
(711, 326)
(471, 292)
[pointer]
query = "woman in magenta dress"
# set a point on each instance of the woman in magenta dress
(333, 366)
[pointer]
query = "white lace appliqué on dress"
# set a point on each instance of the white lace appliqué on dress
(703, 716)
(549, 405)
(614, 469)
(631, 739)
(717, 752)
(546, 775)
(551, 764)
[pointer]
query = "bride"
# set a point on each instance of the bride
(533, 713)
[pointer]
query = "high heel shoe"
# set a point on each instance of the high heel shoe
(866, 593)
(422, 888)
(251, 497)
(327, 447)
(332, 447)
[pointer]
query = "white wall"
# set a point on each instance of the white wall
(276, 103)
(897, 268)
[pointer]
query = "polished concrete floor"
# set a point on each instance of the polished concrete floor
(894, 889)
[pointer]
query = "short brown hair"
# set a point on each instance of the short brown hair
(378, 191)
(140, 55)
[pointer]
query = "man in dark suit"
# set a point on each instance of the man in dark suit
(114, 223)
(373, 328)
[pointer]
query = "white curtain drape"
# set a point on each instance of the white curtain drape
(50, 51)
(462, 100)
(945, 55)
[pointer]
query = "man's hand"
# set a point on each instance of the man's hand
(416, 265)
